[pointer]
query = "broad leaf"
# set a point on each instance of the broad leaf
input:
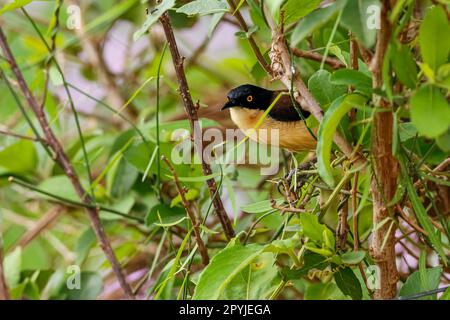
(314, 21)
(203, 7)
(338, 109)
(256, 282)
(311, 261)
(434, 38)
(297, 9)
(323, 89)
(224, 266)
(153, 17)
(414, 283)
(430, 111)
(360, 17)
(357, 79)
(15, 4)
(353, 257)
(348, 283)
(18, 158)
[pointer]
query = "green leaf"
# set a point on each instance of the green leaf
(203, 7)
(297, 9)
(314, 21)
(443, 141)
(85, 242)
(322, 291)
(311, 227)
(18, 158)
(348, 283)
(421, 213)
(353, 257)
(311, 261)
(430, 111)
(167, 213)
(323, 89)
(284, 245)
(413, 284)
(338, 109)
(12, 267)
(358, 80)
(357, 17)
(121, 178)
(153, 17)
(404, 65)
(16, 4)
(256, 281)
(434, 37)
(191, 194)
(446, 294)
(224, 266)
(59, 186)
(91, 285)
(260, 207)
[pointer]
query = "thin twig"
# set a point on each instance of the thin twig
(311, 55)
(191, 112)
(251, 39)
(19, 136)
(405, 217)
(63, 161)
(195, 223)
(72, 203)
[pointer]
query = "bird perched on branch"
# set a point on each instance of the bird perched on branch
(248, 103)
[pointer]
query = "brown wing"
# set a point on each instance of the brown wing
(284, 110)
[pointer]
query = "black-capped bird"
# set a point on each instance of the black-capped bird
(247, 104)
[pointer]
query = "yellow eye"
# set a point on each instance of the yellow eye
(250, 98)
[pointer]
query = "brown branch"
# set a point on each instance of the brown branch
(191, 112)
(409, 221)
(251, 39)
(342, 226)
(42, 224)
(19, 136)
(311, 55)
(195, 224)
(63, 161)
(385, 166)
(274, 205)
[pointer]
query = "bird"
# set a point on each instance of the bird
(247, 104)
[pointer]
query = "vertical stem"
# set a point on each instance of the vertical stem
(191, 112)
(195, 223)
(384, 182)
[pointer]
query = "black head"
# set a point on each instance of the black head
(250, 97)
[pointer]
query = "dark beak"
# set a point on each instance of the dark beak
(228, 105)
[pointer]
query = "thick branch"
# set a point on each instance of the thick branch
(195, 224)
(63, 161)
(191, 112)
(385, 166)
